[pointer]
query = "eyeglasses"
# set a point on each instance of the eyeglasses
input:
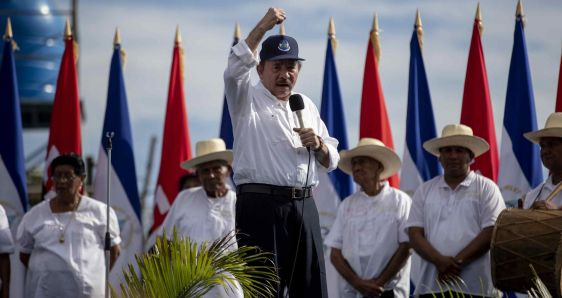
(63, 178)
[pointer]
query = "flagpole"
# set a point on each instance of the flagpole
(109, 135)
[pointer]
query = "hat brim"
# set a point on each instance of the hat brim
(285, 57)
(476, 145)
(196, 161)
(535, 136)
(390, 161)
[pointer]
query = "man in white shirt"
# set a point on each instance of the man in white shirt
(369, 242)
(273, 169)
(550, 140)
(452, 219)
(206, 213)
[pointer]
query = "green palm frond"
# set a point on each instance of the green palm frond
(181, 268)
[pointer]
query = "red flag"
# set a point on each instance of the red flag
(374, 118)
(559, 93)
(64, 133)
(477, 107)
(176, 146)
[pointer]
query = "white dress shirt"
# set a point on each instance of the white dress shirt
(451, 219)
(541, 192)
(266, 149)
(368, 231)
(204, 219)
(6, 239)
(74, 268)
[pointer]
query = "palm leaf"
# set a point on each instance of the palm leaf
(181, 268)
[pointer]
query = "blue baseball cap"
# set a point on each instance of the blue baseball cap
(279, 47)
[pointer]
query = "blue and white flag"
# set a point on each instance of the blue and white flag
(520, 164)
(226, 124)
(13, 188)
(336, 185)
(418, 165)
(124, 196)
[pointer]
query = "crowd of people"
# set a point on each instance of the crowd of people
(275, 164)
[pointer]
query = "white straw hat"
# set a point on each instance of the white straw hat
(375, 149)
(457, 135)
(552, 128)
(206, 151)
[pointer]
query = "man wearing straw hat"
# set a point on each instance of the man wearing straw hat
(369, 242)
(277, 157)
(547, 195)
(207, 213)
(452, 219)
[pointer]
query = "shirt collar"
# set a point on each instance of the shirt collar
(385, 188)
(271, 99)
(465, 183)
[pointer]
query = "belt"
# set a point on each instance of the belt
(297, 193)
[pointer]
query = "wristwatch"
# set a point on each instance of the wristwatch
(321, 144)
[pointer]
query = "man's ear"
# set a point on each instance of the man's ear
(259, 69)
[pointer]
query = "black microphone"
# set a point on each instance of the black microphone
(297, 105)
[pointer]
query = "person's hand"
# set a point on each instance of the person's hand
(448, 268)
(273, 17)
(308, 138)
(379, 288)
(368, 288)
(544, 205)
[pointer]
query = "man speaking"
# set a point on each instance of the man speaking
(276, 159)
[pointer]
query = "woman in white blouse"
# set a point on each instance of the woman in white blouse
(62, 240)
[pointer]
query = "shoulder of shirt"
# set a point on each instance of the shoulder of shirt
(37, 208)
(401, 195)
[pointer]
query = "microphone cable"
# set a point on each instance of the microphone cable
(300, 228)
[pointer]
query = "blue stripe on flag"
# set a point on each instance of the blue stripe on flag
(11, 146)
(519, 115)
(331, 112)
(117, 120)
(420, 123)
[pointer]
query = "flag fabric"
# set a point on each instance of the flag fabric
(418, 165)
(64, 133)
(558, 107)
(13, 188)
(124, 196)
(336, 185)
(520, 164)
(226, 124)
(374, 122)
(477, 109)
(176, 146)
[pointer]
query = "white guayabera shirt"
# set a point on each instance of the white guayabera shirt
(541, 192)
(266, 149)
(75, 267)
(368, 230)
(204, 219)
(451, 219)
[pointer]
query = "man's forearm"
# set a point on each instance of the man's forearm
(477, 247)
(323, 155)
(342, 266)
(396, 263)
(272, 17)
(422, 246)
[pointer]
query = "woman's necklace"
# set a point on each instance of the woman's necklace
(62, 229)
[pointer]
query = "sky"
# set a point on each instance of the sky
(148, 30)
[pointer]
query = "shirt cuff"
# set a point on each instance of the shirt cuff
(243, 52)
